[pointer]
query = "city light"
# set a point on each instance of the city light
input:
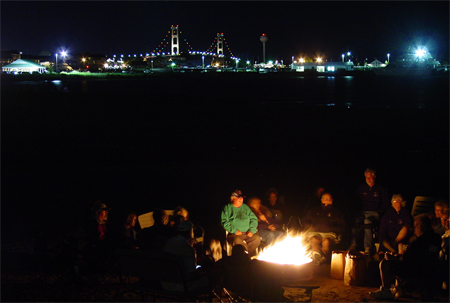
(302, 60)
(319, 59)
(420, 53)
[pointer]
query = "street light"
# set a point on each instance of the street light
(64, 55)
(203, 61)
(84, 63)
(56, 67)
(343, 55)
(388, 55)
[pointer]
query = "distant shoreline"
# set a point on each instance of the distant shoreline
(178, 73)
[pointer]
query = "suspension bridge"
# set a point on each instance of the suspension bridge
(173, 45)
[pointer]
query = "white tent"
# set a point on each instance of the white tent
(377, 63)
(23, 66)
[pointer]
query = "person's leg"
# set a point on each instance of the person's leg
(356, 232)
(326, 243)
(316, 243)
(387, 278)
(235, 240)
(266, 236)
(370, 217)
(253, 243)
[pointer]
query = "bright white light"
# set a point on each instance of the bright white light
(319, 59)
(420, 53)
(302, 60)
(63, 53)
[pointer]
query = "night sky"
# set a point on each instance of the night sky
(368, 29)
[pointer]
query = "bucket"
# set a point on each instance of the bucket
(355, 269)
(337, 264)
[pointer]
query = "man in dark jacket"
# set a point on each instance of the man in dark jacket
(374, 202)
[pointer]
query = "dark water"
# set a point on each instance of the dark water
(191, 139)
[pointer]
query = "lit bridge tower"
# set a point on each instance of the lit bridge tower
(220, 44)
(175, 49)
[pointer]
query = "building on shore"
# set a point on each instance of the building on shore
(24, 66)
(322, 67)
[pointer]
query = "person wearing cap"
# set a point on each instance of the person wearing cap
(241, 223)
(100, 214)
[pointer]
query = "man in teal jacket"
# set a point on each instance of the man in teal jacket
(240, 223)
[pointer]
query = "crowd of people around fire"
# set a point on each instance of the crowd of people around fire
(409, 249)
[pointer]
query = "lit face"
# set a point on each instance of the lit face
(273, 198)
(396, 204)
(327, 199)
(370, 179)
(133, 221)
(438, 211)
(237, 202)
(255, 203)
(102, 215)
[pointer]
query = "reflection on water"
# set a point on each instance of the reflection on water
(346, 91)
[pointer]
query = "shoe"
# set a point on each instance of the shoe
(382, 294)
(367, 251)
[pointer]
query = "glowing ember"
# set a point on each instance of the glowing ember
(289, 251)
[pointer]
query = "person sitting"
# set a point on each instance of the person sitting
(180, 214)
(275, 204)
(156, 236)
(437, 221)
(182, 245)
(240, 223)
(417, 267)
(94, 244)
(324, 225)
(314, 199)
(395, 225)
(269, 230)
(125, 236)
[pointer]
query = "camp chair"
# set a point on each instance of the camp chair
(159, 274)
(422, 205)
(146, 220)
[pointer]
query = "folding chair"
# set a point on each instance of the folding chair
(146, 220)
(422, 205)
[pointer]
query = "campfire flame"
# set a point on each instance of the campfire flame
(288, 251)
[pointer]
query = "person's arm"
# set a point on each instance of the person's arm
(401, 235)
(253, 224)
(226, 221)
